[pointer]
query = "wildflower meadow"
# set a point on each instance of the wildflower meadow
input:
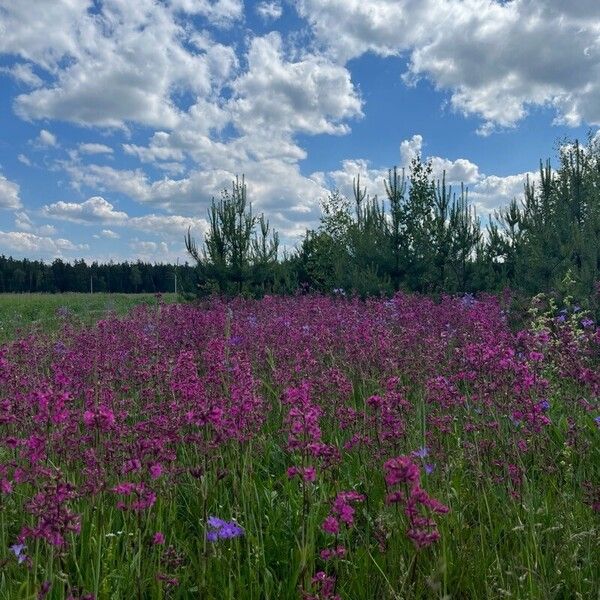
(303, 447)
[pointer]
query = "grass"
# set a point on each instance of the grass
(24, 313)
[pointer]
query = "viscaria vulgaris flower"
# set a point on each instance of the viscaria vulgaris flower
(403, 473)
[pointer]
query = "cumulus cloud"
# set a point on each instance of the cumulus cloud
(158, 149)
(138, 51)
(39, 39)
(213, 113)
(497, 59)
(9, 194)
(343, 179)
(277, 187)
(486, 192)
(493, 191)
(151, 251)
(97, 210)
(23, 222)
(30, 244)
(45, 138)
(219, 12)
(310, 95)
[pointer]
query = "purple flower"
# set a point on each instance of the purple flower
(429, 469)
(421, 452)
(222, 530)
(216, 523)
(18, 550)
(544, 405)
(212, 536)
(587, 322)
(597, 421)
(468, 300)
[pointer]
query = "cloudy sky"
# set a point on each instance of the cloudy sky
(120, 119)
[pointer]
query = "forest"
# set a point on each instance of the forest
(424, 236)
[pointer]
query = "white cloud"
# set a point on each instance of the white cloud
(343, 179)
(23, 73)
(95, 209)
(31, 244)
(497, 59)
(92, 148)
(269, 10)
(46, 230)
(108, 234)
(138, 52)
(9, 194)
(45, 138)
(23, 159)
(159, 149)
(410, 149)
(486, 192)
(457, 171)
(310, 95)
(493, 191)
(30, 29)
(219, 12)
(23, 222)
(150, 251)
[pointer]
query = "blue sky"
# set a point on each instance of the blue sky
(120, 120)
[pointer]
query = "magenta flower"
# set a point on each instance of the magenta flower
(331, 525)
(158, 538)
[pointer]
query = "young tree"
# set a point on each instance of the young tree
(224, 263)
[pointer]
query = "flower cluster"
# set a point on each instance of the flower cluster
(404, 473)
(218, 529)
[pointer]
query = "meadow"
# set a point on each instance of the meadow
(23, 313)
(308, 447)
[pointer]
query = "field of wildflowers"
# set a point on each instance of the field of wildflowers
(303, 448)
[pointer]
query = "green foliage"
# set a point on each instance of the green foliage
(235, 258)
(423, 237)
(555, 228)
(34, 276)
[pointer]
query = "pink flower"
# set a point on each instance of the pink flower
(331, 525)
(125, 488)
(401, 470)
(158, 538)
(156, 471)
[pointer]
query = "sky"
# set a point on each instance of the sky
(120, 119)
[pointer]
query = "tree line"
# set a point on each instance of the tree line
(424, 236)
(24, 275)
